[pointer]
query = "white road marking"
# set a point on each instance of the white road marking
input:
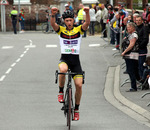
(7, 47)
(22, 55)
(50, 46)
(2, 78)
(30, 46)
(25, 52)
(8, 71)
(94, 45)
(13, 64)
(30, 41)
(18, 59)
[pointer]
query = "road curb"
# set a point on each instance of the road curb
(125, 101)
(114, 97)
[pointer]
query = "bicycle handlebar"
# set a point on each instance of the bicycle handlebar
(68, 73)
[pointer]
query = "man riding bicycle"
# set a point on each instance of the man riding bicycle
(70, 39)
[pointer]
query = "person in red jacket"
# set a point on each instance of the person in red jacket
(21, 20)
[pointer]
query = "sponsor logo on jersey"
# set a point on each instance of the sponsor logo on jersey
(73, 42)
(77, 35)
(71, 50)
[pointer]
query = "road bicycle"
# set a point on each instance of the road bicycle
(68, 106)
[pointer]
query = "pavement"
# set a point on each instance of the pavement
(134, 104)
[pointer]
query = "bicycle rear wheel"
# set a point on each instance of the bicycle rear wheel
(69, 113)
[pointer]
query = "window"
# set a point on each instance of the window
(22, 2)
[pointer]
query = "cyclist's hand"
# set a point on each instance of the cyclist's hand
(54, 10)
(86, 9)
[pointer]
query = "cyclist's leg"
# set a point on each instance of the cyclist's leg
(78, 84)
(63, 67)
(78, 93)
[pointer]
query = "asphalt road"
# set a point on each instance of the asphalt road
(28, 93)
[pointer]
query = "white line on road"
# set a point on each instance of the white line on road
(7, 47)
(25, 52)
(30, 46)
(8, 71)
(30, 42)
(94, 45)
(13, 64)
(2, 78)
(50, 46)
(18, 60)
(22, 55)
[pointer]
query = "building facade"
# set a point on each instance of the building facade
(35, 9)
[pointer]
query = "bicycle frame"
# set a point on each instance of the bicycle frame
(68, 100)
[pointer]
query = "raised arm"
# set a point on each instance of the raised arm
(53, 20)
(87, 21)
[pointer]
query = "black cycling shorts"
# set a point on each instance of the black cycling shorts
(73, 63)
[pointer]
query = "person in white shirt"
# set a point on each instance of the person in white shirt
(92, 20)
(76, 22)
(98, 18)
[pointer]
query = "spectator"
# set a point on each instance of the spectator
(110, 17)
(119, 24)
(66, 7)
(58, 18)
(121, 8)
(144, 14)
(97, 6)
(148, 18)
(104, 16)
(92, 20)
(136, 14)
(126, 12)
(128, 54)
(114, 27)
(109, 7)
(21, 20)
(98, 18)
(125, 21)
(13, 15)
(110, 14)
(130, 18)
(81, 16)
(47, 19)
(70, 7)
(76, 22)
(143, 39)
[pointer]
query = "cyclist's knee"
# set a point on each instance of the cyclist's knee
(78, 86)
(63, 69)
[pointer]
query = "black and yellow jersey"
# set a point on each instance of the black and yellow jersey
(70, 40)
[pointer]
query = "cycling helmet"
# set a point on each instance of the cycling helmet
(68, 14)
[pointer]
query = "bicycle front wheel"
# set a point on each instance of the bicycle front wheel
(69, 113)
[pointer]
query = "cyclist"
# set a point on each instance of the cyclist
(70, 39)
